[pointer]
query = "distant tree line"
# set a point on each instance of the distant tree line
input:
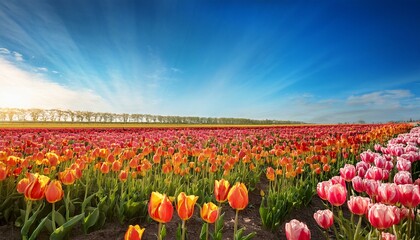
(57, 115)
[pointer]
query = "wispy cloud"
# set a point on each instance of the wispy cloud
(18, 56)
(42, 69)
(389, 98)
(23, 89)
(4, 51)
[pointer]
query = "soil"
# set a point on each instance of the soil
(249, 218)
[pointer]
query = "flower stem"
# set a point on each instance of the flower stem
(207, 231)
(235, 226)
(159, 230)
(67, 201)
(28, 210)
(359, 224)
(53, 217)
(183, 230)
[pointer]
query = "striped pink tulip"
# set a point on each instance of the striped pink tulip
(296, 230)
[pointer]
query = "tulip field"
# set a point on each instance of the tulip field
(58, 181)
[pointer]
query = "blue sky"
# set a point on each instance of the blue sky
(312, 61)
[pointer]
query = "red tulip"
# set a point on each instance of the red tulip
(296, 230)
(134, 233)
(381, 216)
(221, 190)
(324, 218)
(238, 196)
(358, 205)
(337, 195)
(54, 191)
(160, 208)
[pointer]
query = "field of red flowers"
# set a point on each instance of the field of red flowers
(210, 183)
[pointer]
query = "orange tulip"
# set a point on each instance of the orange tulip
(238, 196)
(68, 176)
(134, 233)
(270, 173)
(209, 212)
(36, 187)
(3, 171)
(22, 184)
(104, 168)
(54, 191)
(185, 205)
(123, 175)
(221, 189)
(160, 208)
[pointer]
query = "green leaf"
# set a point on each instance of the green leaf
(249, 236)
(39, 228)
(87, 201)
(25, 229)
(204, 230)
(59, 219)
(163, 231)
(90, 220)
(178, 232)
(62, 231)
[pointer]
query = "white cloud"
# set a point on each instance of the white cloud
(4, 51)
(387, 97)
(22, 89)
(18, 56)
(43, 69)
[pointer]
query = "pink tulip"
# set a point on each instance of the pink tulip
(381, 216)
(368, 156)
(358, 205)
(357, 183)
(388, 193)
(322, 189)
(380, 162)
(348, 172)
(403, 177)
(296, 230)
(324, 218)
(371, 187)
(409, 195)
(398, 214)
(337, 195)
(403, 164)
(388, 236)
(361, 168)
(338, 180)
(405, 213)
(374, 173)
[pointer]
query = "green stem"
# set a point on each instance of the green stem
(28, 210)
(207, 231)
(326, 235)
(235, 226)
(359, 224)
(53, 217)
(66, 202)
(183, 230)
(159, 230)
(409, 224)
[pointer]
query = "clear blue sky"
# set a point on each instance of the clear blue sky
(313, 61)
